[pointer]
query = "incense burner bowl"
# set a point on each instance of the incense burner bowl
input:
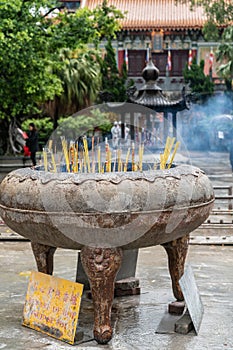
(104, 214)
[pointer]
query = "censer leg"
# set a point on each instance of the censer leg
(177, 252)
(44, 257)
(101, 266)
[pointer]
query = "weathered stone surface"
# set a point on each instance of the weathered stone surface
(127, 292)
(75, 210)
(127, 283)
(101, 214)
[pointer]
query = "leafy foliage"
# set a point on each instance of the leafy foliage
(79, 72)
(85, 26)
(219, 13)
(26, 76)
(112, 82)
(75, 126)
(225, 55)
(211, 32)
(198, 81)
(106, 20)
(42, 56)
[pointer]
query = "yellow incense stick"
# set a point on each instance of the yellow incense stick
(161, 162)
(133, 156)
(119, 159)
(127, 160)
(167, 144)
(76, 157)
(173, 154)
(86, 154)
(108, 160)
(93, 154)
(172, 141)
(75, 168)
(171, 144)
(45, 160)
(65, 151)
(53, 162)
(166, 151)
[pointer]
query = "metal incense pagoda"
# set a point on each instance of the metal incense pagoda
(151, 95)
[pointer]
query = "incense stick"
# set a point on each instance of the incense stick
(99, 159)
(86, 154)
(127, 160)
(133, 155)
(79, 162)
(65, 152)
(45, 160)
(173, 155)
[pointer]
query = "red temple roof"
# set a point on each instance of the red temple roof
(155, 14)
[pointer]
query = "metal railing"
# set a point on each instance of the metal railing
(228, 197)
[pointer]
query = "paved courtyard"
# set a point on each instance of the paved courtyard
(135, 318)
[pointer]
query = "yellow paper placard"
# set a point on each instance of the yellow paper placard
(52, 306)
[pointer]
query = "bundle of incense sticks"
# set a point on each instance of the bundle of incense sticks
(79, 160)
(51, 154)
(66, 154)
(167, 151)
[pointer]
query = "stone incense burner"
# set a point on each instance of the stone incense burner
(104, 214)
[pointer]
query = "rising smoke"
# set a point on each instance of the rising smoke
(209, 126)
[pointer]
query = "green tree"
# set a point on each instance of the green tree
(200, 84)
(219, 13)
(85, 26)
(113, 83)
(26, 76)
(30, 47)
(80, 76)
(73, 127)
(225, 55)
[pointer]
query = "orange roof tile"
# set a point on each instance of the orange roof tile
(155, 14)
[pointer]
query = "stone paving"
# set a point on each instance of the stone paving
(135, 318)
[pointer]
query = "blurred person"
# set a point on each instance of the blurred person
(115, 135)
(127, 135)
(32, 143)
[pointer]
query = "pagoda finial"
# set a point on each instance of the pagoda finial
(150, 72)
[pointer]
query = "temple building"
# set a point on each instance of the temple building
(168, 31)
(171, 34)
